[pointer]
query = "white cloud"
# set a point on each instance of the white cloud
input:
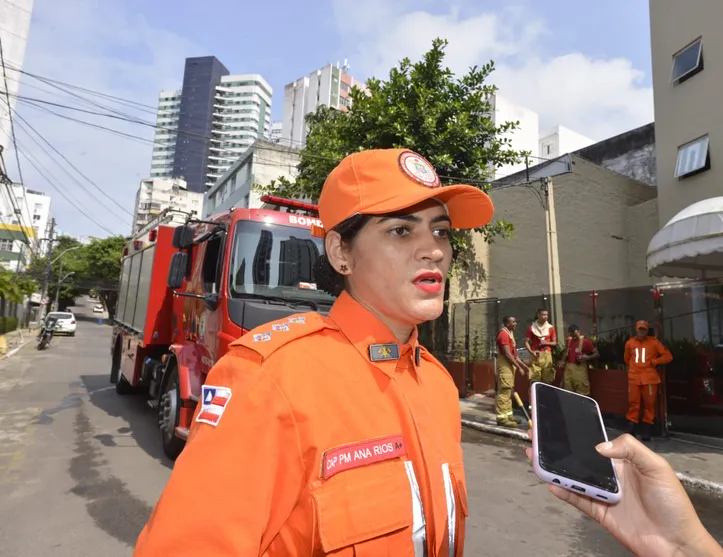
(103, 47)
(596, 97)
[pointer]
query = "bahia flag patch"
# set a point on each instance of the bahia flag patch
(214, 401)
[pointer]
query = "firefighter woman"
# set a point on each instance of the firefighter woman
(338, 434)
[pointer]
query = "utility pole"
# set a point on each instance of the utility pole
(48, 270)
(553, 256)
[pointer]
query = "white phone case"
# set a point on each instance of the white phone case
(561, 481)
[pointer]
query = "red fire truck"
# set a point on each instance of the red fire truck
(187, 291)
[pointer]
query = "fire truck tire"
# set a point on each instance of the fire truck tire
(169, 415)
(122, 386)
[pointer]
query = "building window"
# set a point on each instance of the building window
(6, 245)
(688, 61)
(693, 157)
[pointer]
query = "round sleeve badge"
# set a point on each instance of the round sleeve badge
(419, 169)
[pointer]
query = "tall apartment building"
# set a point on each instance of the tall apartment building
(15, 19)
(157, 194)
(164, 146)
(206, 125)
(329, 86)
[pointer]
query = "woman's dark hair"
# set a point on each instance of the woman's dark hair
(325, 276)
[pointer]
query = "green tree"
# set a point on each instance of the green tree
(103, 260)
(426, 108)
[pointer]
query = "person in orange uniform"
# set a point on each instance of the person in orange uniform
(643, 354)
(541, 337)
(339, 434)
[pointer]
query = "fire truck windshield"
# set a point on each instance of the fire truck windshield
(276, 261)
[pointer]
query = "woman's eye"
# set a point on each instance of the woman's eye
(400, 230)
(443, 232)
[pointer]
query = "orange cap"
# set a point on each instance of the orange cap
(642, 325)
(382, 181)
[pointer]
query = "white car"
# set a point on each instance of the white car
(66, 322)
(98, 308)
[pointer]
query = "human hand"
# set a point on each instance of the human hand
(655, 517)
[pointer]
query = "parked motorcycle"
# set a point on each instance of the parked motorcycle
(45, 336)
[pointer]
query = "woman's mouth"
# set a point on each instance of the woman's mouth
(429, 282)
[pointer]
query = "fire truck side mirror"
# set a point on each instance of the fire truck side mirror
(183, 237)
(177, 270)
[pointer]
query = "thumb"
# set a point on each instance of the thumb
(627, 447)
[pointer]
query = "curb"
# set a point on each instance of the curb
(497, 430)
(687, 480)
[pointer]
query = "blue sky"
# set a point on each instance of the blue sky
(583, 65)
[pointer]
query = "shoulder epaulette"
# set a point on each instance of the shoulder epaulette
(268, 338)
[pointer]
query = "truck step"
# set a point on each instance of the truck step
(153, 404)
(182, 432)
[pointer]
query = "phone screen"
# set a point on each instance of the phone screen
(568, 428)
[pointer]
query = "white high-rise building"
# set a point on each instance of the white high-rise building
(164, 146)
(15, 19)
(242, 114)
(38, 207)
(157, 194)
(328, 86)
(561, 141)
(524, 138)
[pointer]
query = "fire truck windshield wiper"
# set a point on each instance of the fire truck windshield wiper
(291, 302)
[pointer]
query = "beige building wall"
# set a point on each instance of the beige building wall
(600, 233)
(688, 110)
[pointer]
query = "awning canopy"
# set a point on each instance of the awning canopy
(690, 245)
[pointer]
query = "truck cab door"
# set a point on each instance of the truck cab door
(210, 317)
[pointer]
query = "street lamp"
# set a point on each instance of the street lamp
(57, 289)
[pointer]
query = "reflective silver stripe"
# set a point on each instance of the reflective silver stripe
(637, 355)
(643, 355)
(419, 531)
(451, 506)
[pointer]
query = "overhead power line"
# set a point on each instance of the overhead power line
(11, 194)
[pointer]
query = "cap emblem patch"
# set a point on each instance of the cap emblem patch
(419, 169)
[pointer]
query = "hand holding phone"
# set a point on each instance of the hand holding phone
(654, 517)
(568, 426)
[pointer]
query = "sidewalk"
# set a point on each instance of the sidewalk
(15, 340)
(697, 466)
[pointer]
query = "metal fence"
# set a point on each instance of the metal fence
(687, 318)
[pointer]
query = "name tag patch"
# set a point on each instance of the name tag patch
(214, 401)
(363, 453)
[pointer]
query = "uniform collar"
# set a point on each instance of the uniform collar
(364, 329)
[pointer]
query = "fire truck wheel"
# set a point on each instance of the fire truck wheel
(169, 416)
(122, 386)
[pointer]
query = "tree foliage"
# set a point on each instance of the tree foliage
(95, 267)
(423, 107)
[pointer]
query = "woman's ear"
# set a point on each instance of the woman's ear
(336, 252)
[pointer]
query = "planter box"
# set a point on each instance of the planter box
(609, 387)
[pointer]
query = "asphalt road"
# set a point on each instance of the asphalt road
(81, 467)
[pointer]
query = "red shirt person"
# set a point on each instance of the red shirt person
(578, 351)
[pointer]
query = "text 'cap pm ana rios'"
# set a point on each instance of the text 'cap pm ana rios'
(383, 181)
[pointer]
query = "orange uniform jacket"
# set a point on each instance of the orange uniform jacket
(318, 449)
(641, 357)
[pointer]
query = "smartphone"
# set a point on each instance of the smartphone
(566, 428)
